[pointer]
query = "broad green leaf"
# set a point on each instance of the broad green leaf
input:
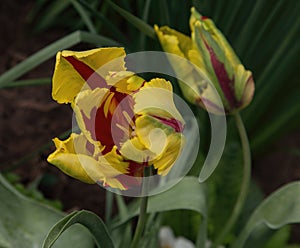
(50, 50)
(187, 194)
(25, 222)
(280, 208)
(86, 218)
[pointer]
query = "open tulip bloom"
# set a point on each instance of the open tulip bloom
(209, 50)
(126, 123)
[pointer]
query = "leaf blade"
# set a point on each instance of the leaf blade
(86, 218)
(280, 208)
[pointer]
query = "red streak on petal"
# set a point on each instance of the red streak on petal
(175, 124)
(227, 84)
(92, 78)
(204, 18)
(106, 126)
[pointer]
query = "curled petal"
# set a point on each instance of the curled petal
(74, 69)
(171, 152)
(173, 41)
(74, 157)
(124, 81)
(161, 139)
(156, 98)
(134, 150)
(68, 160)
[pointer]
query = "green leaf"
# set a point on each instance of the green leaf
(289, 109)
(49, 51)
(280, 238)
(224, 187)
(27, 82)
(187, 194)
(280, 208)
(84, 16)
(183, 222)
(25, 222)
(135, 21)
(144, 18)
(114, 30)
(150, 239)
(52, 12)
(86, 218)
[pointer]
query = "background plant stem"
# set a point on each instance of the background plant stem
(245, 182)
(143, 209)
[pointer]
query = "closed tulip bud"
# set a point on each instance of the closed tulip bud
(208, 49)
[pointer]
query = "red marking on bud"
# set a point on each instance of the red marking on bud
(227, 84)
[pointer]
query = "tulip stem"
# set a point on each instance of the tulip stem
(245, 182)
(143, 209)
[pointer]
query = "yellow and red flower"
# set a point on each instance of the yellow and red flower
(208, 49)
(125, 122)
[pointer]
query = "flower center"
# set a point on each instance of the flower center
(114, 120)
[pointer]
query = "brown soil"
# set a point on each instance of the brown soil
(30, 118)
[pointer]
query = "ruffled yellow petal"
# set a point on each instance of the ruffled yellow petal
(173, 41)
(134, 83)
(152, 133)
(68, 81)
(96, 58)
(106, 169)
(119, 80)
(124, 81)
(114, 162)
(171, 152)
(134, 150)
(161, 140)
(77, 158)
(68, 160)
(156, 98)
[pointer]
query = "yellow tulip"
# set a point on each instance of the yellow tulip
(125, 122)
